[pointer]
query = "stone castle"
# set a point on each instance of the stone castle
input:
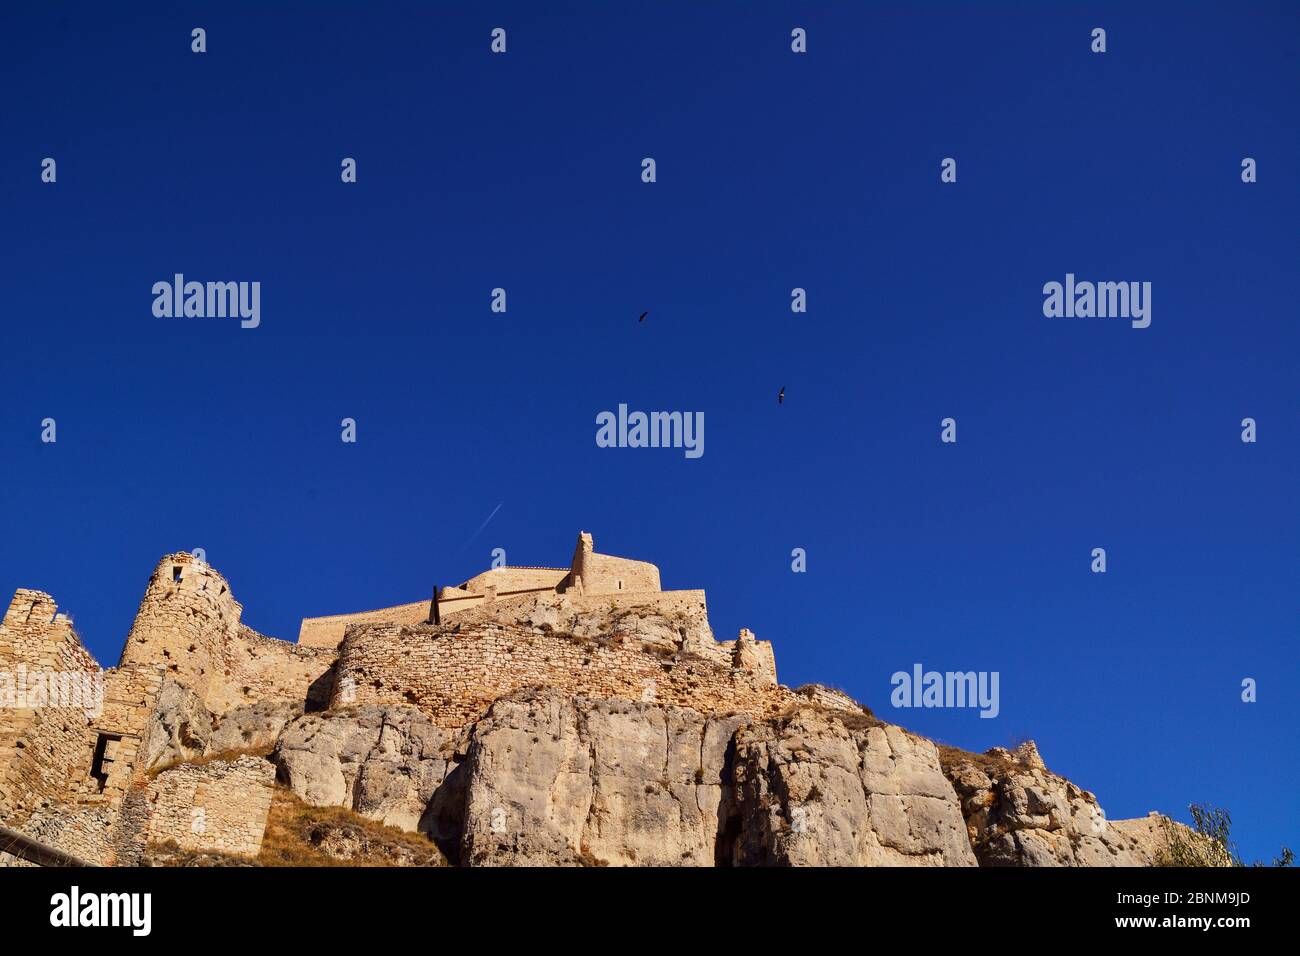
(80, 780)
(528, 715)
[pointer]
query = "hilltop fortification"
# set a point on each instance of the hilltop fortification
(528, 715)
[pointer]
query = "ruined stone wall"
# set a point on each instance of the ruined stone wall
(828, 697)
(219, 806)
(66, 772)
(34, 633)
(268, 669)
(130, 694)
(454, 677)
(661, 602)
(498, 584)
(189, 622)
(42, 736)
(39, 762)
(665, 603)
(84, 831)
(685, 613)
(186, 617)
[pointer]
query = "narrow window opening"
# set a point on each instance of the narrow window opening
(176, 572)
(102, 761)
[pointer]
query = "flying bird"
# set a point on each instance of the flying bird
(780, 396)
(643, 315)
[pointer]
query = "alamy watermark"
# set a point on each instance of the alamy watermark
(1102, 300)
(75, 909)
(651, 430)
(922, 688)
(208, 300)
(21, 689)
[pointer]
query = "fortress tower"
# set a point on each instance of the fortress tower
(593, 573)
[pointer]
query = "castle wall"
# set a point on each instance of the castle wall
(34, 633)
(765, 658)
(219, 806)
(570, 611)
(130, 694)
(328, 631)
(84, 831)
(454, 677)
(41, 741)
(605, 574)
(589, 574)
(189, 621)
(508, 578)
(518, 608)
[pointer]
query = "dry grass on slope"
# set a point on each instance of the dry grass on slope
(301, 835)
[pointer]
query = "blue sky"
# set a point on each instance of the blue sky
(775, 171)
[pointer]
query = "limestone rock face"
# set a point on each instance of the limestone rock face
(547, 778)
(808, 791)
(183, 729)
(251, 727)
(384, 762)
(555, 780)
(1019, 813)
(180, 728)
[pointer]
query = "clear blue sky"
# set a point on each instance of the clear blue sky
(774, 171)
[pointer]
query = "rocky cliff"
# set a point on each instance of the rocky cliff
(542, 729)
(546, 778)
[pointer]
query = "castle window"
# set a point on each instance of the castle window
(620, 585)
(102, 762)
(176, 572)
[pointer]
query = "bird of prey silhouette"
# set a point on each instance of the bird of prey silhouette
(643, 315)
(780, 396)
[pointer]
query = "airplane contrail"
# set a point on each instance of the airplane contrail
(485, 523)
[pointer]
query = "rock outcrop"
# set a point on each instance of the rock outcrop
(386, 763)
(547, 779)
(809, 791)
(1019, 813)
(182, 728)
(559, 780)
